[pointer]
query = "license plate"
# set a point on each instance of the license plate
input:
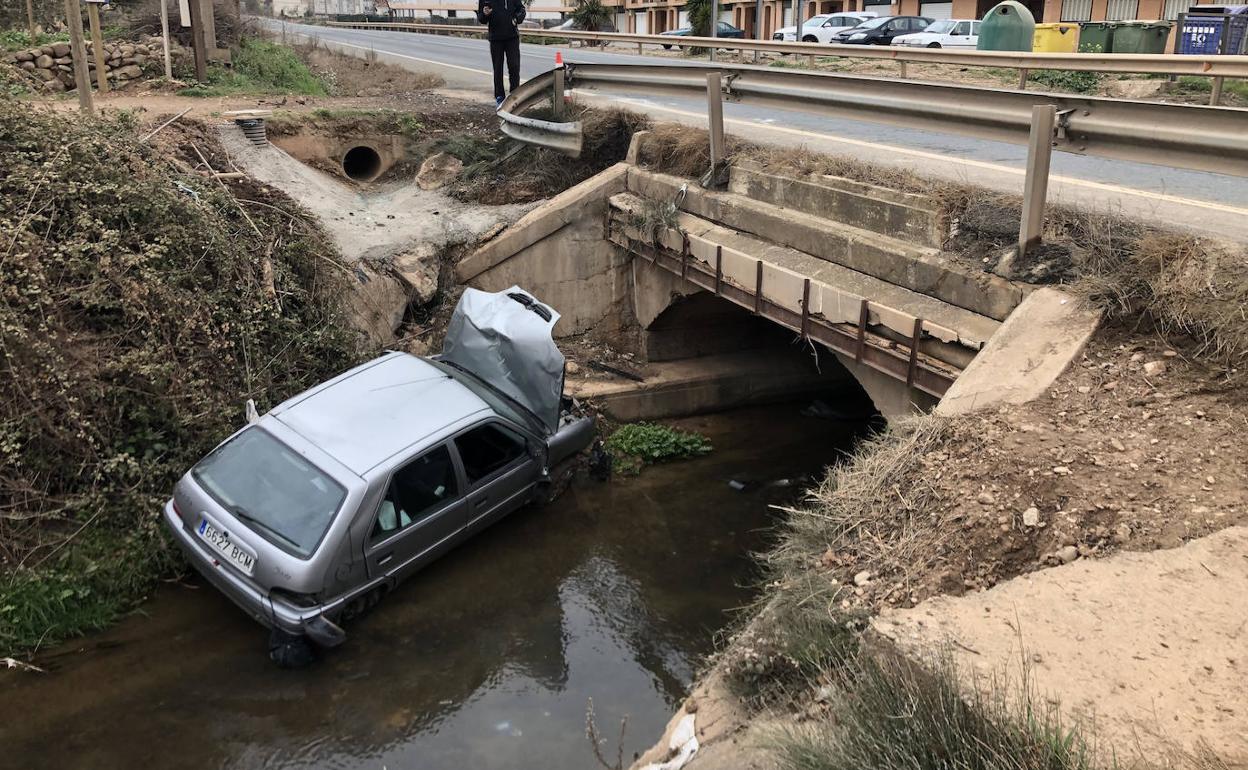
(217, 539)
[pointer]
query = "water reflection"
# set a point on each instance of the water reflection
(485, 660)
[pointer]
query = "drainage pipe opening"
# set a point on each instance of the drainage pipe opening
(361, 163)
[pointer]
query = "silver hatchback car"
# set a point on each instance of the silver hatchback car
(309, 514)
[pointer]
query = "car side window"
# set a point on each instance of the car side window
(416, 490)
(488, 448)
(975, 28)
(963, 28)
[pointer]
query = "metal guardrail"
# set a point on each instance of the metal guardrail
(1144, 64)
(564, 137)
(1182, 136)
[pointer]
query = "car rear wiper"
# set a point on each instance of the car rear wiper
(247, 517)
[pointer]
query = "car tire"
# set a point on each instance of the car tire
(933, 45)
(810, 39)
(291, 650)
(666, 47)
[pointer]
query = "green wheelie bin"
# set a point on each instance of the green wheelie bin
(1096, 36)
(1141, 37)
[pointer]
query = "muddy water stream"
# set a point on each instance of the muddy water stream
(485, 660)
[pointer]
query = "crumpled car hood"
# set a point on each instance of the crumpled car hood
(505, 339)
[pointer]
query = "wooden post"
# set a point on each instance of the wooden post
(1036, 184)
(197, 41)
(30, 20)
(715, 118)
(82, 80)
(1022, 79)
(97, 47)
(164, 36)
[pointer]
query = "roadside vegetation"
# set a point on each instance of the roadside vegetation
(260, 67)
(142, 304)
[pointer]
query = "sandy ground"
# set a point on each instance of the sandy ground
(1150, 648)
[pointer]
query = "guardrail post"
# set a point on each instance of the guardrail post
(557, 98)
(1036, 184)
(715, 119)
(1215, 96)
(1022, 78)
(904, 72)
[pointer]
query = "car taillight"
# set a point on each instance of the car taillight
(178, 510)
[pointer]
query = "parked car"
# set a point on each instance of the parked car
(310, 513)
(574, 25)
(943, 33)
(820, 29)
(881, 30)
(723, 30)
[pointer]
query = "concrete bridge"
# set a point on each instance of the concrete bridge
(779, 285)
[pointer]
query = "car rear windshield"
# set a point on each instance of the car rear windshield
(272, 489)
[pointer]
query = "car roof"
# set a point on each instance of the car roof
(375, 411)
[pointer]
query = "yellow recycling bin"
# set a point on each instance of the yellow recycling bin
(1056, 38)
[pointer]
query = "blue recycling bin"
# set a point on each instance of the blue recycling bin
(1211, 34)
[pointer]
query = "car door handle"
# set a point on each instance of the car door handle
(384, 560)
(481, 503)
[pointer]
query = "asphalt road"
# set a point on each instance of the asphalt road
(1211, 203)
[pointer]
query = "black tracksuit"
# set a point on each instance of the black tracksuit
(504, 36)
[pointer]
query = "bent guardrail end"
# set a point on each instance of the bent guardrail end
(566, 138)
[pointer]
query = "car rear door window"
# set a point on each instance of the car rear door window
(487, 449)
(963, 28)
(418, 489)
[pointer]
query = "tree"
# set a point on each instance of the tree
(591, 15)
(699, 17)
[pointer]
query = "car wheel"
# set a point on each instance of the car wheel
(666, 47)
(810, 39)
(291, 650)
(933, 45)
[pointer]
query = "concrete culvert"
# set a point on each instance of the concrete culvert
(361, 163)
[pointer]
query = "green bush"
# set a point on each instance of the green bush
(260, 67)
(136, 317)
(643, 443)
(19, 39)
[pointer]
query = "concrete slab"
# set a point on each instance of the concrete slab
(566, 207)
(869, 207)
(1152, 646)
(1026, 355)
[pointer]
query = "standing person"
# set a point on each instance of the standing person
(503, 18)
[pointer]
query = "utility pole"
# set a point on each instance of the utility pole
(758, 25)
(714, 24)
(30, 19)
(97, 46)
(799, 7)
(82, 80)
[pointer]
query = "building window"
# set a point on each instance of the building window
(1122, 10)
(1076, 10)
(1172, 8)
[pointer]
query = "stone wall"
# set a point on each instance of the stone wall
(51, 67)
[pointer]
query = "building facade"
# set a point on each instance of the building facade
(761, 18)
